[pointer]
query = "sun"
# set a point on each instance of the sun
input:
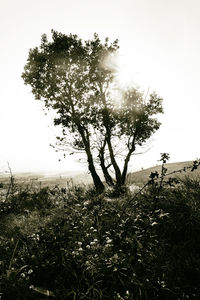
(133, 71)
(122, 68)
(125, 71)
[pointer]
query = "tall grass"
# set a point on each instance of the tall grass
(74, 244)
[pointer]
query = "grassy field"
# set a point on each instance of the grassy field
(141, 177)
(74, 244)
(66, 179)
(48, 179)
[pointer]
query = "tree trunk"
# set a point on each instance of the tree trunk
(86, 141)
(114, 163)
(106, 174)
(96, 179)
(126, 161)
(124, 173)
(107, 124)
(101, 156)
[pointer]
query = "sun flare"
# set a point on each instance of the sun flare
(124, 74)
(132, 71)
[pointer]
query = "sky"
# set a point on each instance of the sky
(159, 51)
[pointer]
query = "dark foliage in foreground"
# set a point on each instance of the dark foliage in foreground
(76, 245)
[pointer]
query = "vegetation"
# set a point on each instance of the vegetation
(76, 244)
(177, 170)
(77, 80)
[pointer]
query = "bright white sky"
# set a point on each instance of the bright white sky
(160, 49)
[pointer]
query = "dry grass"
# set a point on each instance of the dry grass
(141, 177)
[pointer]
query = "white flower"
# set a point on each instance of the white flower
(154, 223)
(109, 241)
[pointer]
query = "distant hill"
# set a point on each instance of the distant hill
(49, 178)
(141, 177)
(63, 179)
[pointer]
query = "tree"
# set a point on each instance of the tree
(77, 80)
(58, 74)
(136, 122)
(123, 114)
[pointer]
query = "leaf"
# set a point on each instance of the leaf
(42, 291)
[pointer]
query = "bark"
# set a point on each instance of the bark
(96, 179)
(86, 141)
(113, 161)
(106, 174)
(126, 161)
(125, 169)
(106, 121)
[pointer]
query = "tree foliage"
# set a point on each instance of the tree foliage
(77, 79)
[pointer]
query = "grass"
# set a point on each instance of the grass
(141, 177)
(75, 244)
(138, 178)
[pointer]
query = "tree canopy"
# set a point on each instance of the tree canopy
(77, 79)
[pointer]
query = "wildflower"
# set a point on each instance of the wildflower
(154, 223)
(115, 256)
(79, 243)
(108, 241)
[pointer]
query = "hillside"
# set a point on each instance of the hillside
(50, 179)
(62, 179)
(141, 177)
